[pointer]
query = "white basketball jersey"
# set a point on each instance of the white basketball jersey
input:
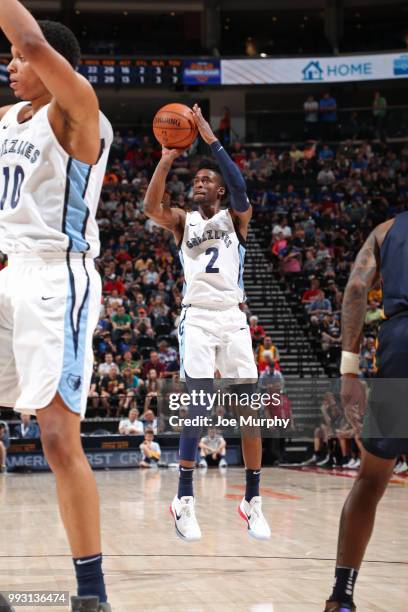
(48, 200)
(212, 256)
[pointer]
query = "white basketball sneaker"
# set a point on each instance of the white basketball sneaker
(185, 522)
(252, 513)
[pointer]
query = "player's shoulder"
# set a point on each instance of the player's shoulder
(10, 108)
(4, 110)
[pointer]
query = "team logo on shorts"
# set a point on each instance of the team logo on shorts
(74, 382)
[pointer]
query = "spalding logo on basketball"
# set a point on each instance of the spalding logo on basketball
(174, 126)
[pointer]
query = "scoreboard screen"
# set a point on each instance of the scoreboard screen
(133, 72)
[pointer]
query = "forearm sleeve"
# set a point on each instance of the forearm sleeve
(232, 177)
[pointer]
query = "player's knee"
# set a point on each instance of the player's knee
(56, 449)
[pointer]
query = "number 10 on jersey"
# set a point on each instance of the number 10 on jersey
(12, 182)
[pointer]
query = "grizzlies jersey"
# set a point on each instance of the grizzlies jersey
(212, 255)
(48, 200)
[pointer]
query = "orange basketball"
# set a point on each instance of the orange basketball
(174, 127)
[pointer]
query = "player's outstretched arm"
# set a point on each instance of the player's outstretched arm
(172, 219)
(241, 207)
(70, 90)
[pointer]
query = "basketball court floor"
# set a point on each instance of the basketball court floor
(149, 569)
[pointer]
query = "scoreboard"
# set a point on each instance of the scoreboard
(142, 72)
(133, 72)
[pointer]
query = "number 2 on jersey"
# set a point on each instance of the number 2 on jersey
(214, 252)
(16, 189)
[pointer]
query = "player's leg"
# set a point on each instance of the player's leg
(55, 375)
(356, 526)
(3, 457)
(197, 360)
(77, 493)
(250, 508)
(235, 360)
(9, 385)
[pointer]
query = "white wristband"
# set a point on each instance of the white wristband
(350, 363)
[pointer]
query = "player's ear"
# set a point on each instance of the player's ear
(221, 191)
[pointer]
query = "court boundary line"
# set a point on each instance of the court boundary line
(331, 559)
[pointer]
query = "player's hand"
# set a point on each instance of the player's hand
(203, 126)
(171, 154)
(353, 396)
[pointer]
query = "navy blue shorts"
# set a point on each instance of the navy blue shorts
(385, 430)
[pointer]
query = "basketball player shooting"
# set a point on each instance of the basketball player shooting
(384, 255)
(213, 331)
(54, 149)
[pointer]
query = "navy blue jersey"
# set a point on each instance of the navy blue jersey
(394, 267)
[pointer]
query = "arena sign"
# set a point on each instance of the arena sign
(314, 70)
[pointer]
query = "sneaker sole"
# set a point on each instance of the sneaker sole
(178, 532)
(251, 533)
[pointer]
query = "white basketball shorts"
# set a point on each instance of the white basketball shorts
(49, 308)
(213, 340)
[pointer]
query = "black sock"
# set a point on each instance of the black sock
(252, 483)
(185, 486)
(343, 588)
(89, 577)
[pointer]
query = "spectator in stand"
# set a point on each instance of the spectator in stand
(282, 227)
(279, 243)
(153, 364)
(152, 389)
(312, 293)
(326, 153)
(121, 322)
(325, 435)
(379, 115)
(328, 116)
(295, 153)
(270, 374)
(108, 365)
(132, 425)
(290, 259)
(213, 449)
(149, 420)
(167, 354)
(318, 308)
(311, 110)
(367, 357)
(175, 187)
(150, 450)
(256, 330)
(267, 347)
(112, 392)
(374, 314)
(114, 282)
(27, 427)
(310, 263)
(326, 176)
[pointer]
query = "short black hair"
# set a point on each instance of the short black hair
(62, 39)
(208, 164)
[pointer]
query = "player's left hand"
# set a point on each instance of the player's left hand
(203, 126)
(353, 396)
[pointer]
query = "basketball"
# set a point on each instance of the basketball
(174, 127)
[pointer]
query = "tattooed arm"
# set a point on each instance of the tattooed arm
(364, 275)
